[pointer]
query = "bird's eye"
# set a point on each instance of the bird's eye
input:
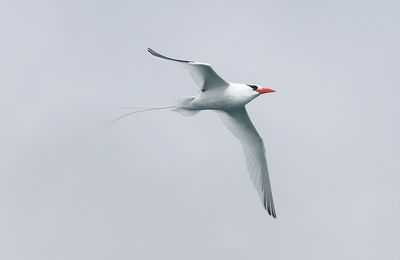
(254, 87)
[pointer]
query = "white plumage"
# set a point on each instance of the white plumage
(229, 99)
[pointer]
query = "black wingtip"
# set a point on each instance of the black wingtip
(270, 211)
(156, 54)
(272, 214)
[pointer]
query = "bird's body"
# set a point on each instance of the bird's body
(231, 96)
(229, 99)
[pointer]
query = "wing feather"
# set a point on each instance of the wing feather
(203, 74)
(239, 123)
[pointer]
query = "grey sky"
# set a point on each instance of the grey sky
(163, 186)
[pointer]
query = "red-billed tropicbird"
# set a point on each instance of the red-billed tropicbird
(229, 99)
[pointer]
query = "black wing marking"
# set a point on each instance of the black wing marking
(203, 74)
(156, 54)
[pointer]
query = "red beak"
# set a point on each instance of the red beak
(265, 90)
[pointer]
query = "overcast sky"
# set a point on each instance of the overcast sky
(163, 186)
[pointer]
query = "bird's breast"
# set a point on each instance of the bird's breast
(222, 99)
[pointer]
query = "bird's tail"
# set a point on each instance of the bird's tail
(141, 109)
(183, 105)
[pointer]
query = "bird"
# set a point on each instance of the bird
(229, 99)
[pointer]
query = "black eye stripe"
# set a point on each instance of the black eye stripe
(254, 87)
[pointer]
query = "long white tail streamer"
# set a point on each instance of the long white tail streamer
(139, 111)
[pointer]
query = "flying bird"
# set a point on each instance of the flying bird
(229, 99)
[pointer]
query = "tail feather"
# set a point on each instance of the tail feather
(139, 111)
(183, 106)
(186, 112)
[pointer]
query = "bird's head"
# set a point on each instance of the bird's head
(260, 90)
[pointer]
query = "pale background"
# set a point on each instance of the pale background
(163, 186)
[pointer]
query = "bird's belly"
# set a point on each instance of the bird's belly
(219, 102)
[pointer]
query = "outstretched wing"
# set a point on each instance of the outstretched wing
(202, 73)
(239, 123)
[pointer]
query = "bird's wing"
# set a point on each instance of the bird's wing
(239, 123)
(202, 73)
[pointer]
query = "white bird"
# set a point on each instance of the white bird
(229, 99)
